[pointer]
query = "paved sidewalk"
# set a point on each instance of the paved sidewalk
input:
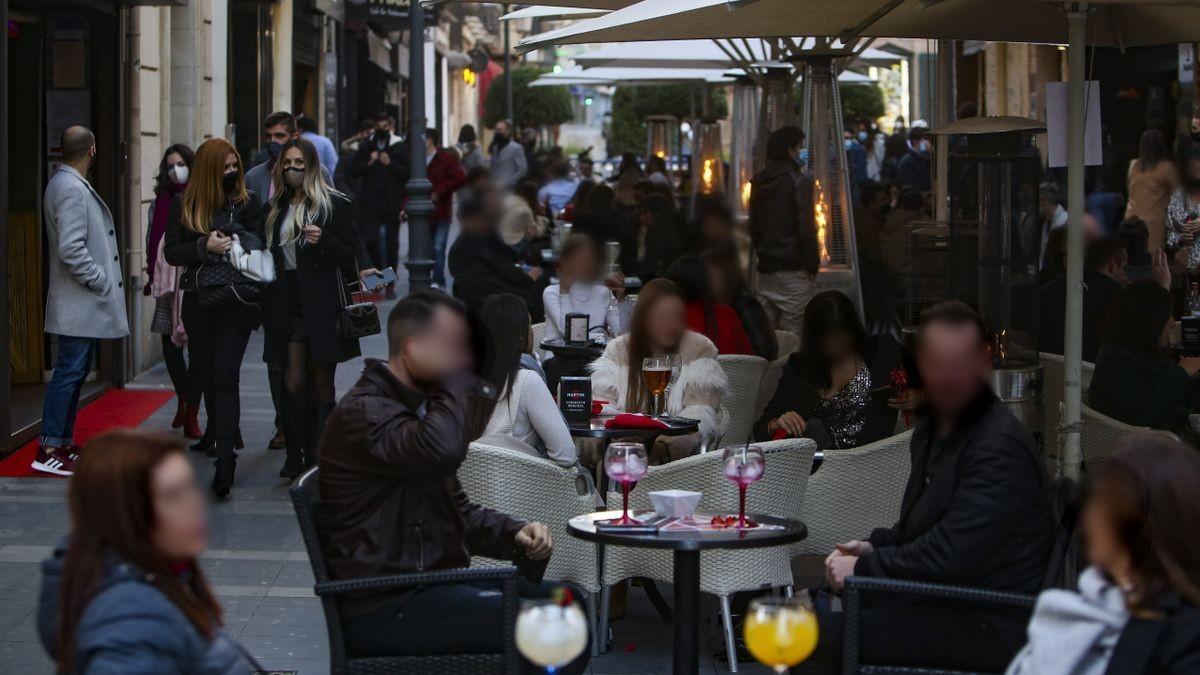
(256, 559)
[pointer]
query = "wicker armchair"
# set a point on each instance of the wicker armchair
(855, 491)
(1066, 495)
(745, 374)
(305, 500)
(539, 334)
(1101, 435)
(722, 573)
(789, 343)
(499, 475)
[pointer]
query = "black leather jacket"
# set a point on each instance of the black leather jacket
(782, 222)
(391, 502)
(187, 248)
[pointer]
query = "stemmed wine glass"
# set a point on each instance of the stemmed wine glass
(656, 375)
(625, 463)
(781, 632)
(551, 634)
(743, 465)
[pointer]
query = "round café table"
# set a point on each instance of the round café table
(686, 547)
(594, 428)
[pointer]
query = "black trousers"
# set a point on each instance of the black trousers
(448, 619)
(374, 214)
(178, 371)
(217, 342)
(903, 632)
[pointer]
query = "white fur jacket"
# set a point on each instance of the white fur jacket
(697, 394)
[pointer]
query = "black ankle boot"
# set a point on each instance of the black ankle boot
(295, 423)
(321, 412)
(224, 468)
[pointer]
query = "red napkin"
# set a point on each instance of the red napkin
(780, 434)
(633, 421)
(598, 406)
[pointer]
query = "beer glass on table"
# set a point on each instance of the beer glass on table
(656, 375)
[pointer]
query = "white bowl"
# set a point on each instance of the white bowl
(675, 503)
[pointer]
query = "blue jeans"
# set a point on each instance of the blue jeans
(62, 394)
(441, 233)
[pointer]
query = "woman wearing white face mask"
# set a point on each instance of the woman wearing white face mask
(312, 234)
(162, 281)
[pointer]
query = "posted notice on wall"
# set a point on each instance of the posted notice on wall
(1057, 122)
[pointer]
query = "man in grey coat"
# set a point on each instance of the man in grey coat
(508, 158)
(86, 297)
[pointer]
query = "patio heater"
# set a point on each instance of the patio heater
(744, 131)
(778, 107)
(662, 138)
(708, 164)
(831, 184)
(994, 224)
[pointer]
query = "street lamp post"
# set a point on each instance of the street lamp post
(418, 206)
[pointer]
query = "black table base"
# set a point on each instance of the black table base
(687, 613)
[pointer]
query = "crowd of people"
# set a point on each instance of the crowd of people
(124, 593)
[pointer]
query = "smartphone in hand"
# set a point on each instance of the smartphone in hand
(373, 282)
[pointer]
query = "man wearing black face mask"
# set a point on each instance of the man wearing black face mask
(382, 164)
(509, 164)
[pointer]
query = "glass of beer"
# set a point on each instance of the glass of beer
(656, 375)
(781, 632)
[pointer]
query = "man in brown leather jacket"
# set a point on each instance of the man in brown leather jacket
(391, 502)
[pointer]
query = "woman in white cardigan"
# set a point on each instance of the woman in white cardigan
(578, 292)
(658, 328)
(525, 410)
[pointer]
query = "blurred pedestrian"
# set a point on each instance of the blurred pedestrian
(784, 231)
(468, 145)
(326, 151)
(446, 176)
(1151, 180)
(559, 189)
(509, 164)
(915, 167)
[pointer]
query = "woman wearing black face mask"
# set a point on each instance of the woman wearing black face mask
(213, 209)
(311, 232)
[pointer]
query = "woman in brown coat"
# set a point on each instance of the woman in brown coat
(1152, 179)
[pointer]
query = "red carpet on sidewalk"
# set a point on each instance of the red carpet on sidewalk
(114, 409)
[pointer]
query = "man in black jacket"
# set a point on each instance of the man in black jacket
(783, 226)
(391, 502)
(482, 265)
(976, 512)
(381, 163)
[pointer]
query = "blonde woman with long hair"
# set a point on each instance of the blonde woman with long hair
(312, 234)
(200, 229)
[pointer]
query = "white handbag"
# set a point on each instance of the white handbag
(254, 265)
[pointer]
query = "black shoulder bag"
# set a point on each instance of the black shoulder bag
(356, 320)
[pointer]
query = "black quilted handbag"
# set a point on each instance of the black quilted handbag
(221, 286)
(357, 320)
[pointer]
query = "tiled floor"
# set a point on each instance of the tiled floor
(256, 560)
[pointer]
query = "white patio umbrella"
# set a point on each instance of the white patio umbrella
(633, 76)
(1118, 23)
(698, 54)
(553, 12)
